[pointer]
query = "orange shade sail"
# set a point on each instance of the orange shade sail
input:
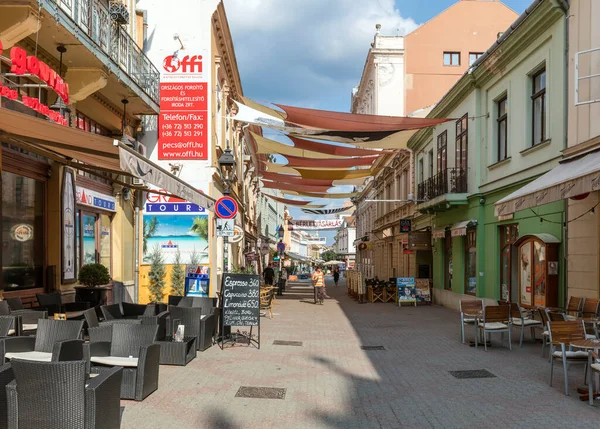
(295, 161)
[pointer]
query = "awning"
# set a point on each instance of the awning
(438, 233)
(460, 228)
(296, 257)
(573, 176)
(92, 153)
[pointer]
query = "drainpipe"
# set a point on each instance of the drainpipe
(565, 5)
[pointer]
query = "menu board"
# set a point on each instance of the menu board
(241, 299)
(406, 289)
(423, 290)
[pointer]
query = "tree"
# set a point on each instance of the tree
(150, 228)
(329, 255)
(178, 276)
(157, 275)
(200, 227)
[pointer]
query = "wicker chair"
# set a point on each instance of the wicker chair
(163, 322)
(92, 319)
(126, 310)
(15, 303)
(56, 340)
(52, 303)
(204, 328)
(57, 396)
(29, 317)
(140, 371)
(208, 304)
(11, 325)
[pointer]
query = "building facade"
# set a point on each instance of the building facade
(344, 242)
(407, 75)
(465, 167)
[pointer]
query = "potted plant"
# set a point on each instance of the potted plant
(90, 277)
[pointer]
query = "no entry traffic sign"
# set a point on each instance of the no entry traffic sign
(226, 208)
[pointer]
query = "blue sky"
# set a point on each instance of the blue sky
(311, 53)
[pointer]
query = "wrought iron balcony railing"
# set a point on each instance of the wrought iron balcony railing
(450, 181)
(101, 21)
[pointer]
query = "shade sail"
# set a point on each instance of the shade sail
(331, 196)
(330, 149)
(334, 263)
(262, 108)
(268, 146)
(293, 187)
(294, 202)
(340, 121)
(397, 141)
(297, 180)
(294, 161)
(327, 211)
(281, 169)
(572, 177)
(335, 174)
(92, 153)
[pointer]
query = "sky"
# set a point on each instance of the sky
(311, 53)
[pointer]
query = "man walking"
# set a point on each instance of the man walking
(318, 279)
(269, 275)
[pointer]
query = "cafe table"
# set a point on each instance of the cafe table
(586, 345)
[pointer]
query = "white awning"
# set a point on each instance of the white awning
(573, 176)
(460, 228)
(438, 233)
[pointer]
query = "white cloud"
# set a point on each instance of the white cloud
(307, 52)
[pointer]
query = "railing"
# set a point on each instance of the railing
(450, 181)
(101, 21)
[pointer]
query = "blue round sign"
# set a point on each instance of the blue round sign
(281, 247)
(226, 208)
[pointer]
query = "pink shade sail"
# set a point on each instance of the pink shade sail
(295, 161)
(294, 202)
(294, 187)
(333, 149)
(297, 180)
(340, 121)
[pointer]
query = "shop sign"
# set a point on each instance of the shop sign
(197, 280)
(21, 232)
(238, 234)
(405, 225)
(95, 199)
(405, 249)
(419, 240)
(157, 203)
(68, 221)
(314, 224)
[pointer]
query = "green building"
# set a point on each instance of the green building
(508, 128)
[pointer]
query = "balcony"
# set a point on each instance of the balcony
(100, 55)
(448, 187)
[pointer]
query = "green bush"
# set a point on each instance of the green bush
(93, 275)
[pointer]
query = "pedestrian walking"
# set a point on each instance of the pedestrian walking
(336, 275)
(269, 275)
(318, 279)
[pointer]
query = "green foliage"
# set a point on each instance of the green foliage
(243, 270)
(149, 230)
(200, 227)
(157, 275)
(194, 257)
(329, 255)
(178, 276)
(93, 275)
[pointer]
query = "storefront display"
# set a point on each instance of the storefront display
(538, 279)
(471, 262)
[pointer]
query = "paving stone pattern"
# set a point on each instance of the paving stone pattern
(331, 382)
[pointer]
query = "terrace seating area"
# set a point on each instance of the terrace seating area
(88, 363)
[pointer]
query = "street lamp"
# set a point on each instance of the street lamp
(280, 231)
(226, 169)
(60, 106)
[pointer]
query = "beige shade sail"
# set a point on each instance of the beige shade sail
(281, 169)
(332, 196)
(397, 140)
(335, 174)
(262, 108)
(269, 147)
(299, 203)
(293, 187)
(572, 177)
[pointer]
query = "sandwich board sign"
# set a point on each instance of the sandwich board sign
(407, 293)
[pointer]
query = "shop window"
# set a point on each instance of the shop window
(93, 238)
(538, 271)
(471, 262)
(448, 261)
(86, 124)
(23, 232)
(508, 236)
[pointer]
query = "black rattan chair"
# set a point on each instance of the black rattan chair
(207, 304)
(162, 320)
(126, 310)
(28, 317)
(140, 371)
(57, 395)
(55, 340)
(204, 328)
(15, 303)
(52, 303)
(10, 325)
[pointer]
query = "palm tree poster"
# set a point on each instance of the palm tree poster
(170, 233)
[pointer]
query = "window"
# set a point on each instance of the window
(473, 56)
(93, 238)
(508, 236)
(421, 171)
(442, 152)
(405, 188)
(448, 261)
(532, 273)
(431, 163)
(461, 143)
(451, 58)
(471, 262)
(502, 119)
(23, 232)
(86, 124)
(539, 107)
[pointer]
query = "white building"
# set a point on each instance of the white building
(344, 241)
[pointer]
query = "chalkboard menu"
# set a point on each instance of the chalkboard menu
(241, 299)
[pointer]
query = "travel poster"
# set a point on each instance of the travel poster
(406, 289)
(168, 233)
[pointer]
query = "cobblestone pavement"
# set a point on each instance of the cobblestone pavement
(332, 383)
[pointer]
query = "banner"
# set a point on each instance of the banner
(314, 224)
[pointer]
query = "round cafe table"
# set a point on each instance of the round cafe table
(586, 345)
